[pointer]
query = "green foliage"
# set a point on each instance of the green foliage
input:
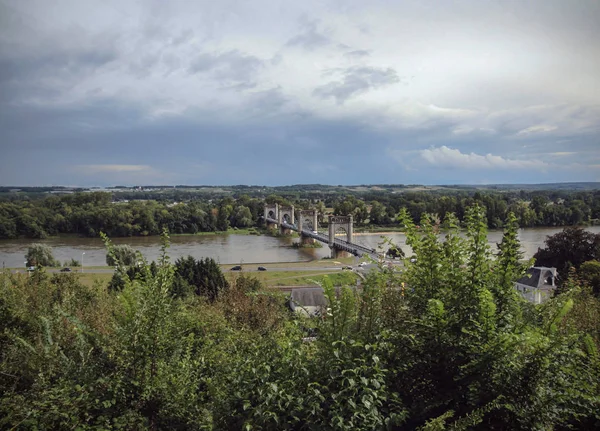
(189, 210)
(122, 254)
(354, 207)
(72, 262)
(40, 255)
(571, 247)
(395, 252)
(589, 272)
(444, 344)
(203, 277)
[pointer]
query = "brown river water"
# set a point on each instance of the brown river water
(229, 249)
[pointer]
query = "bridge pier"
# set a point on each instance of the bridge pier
(337, 253)
(286, 215)
(307, 219)
(272, 212)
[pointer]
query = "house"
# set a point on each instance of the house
(310, 301)
(538, 284)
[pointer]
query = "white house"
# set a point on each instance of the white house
(538, 284)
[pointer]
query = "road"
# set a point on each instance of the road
(228, 269)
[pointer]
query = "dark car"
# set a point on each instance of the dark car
(65, 270)
(262, 268)
(347, 267)
(236, 268)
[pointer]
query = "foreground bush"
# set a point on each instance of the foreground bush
(446, 344)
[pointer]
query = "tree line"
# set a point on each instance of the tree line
(445, 344)
(531, 209)
(88, 214)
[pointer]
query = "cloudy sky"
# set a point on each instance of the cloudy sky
(106, 92)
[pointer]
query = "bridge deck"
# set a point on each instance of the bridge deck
(350, 247)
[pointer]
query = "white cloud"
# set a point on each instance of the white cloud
(542, 128)
(452, 158)
(465, 130)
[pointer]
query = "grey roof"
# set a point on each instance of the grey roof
(308, 297)
(539, 277)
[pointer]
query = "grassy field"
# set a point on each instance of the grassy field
(298, 278)
(268, 278)
(91, 279)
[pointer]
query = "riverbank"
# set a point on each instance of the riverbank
(234, 248)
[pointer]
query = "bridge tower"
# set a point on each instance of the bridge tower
(272, 212)
(307, 219)
(286, 215)
(335, 223)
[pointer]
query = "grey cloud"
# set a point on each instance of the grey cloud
(184, 37)
(310, 38)
(357, 54)
(228, 66)
(143, 67)
(268, 101)
(546, 120)
(357, 80)
(66, 64)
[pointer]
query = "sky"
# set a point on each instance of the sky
(272, 92)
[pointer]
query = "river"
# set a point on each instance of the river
(229, 249)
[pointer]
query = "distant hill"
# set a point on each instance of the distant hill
(545, 186)
(256, 190)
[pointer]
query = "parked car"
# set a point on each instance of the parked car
(236, 268)
(65, 270)
(31, 268)
(347, 267)
(363, 264)
(262, 268)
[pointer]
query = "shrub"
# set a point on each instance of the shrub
(122, 254)
(40, 255)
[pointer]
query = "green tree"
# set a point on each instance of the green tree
(377, 215)
(203, 277)
(354, 207)
(40, 255)
(589, 272)
(223, 215)
(122, 254)
(569, 248)
(460, 301)
(242, 217)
